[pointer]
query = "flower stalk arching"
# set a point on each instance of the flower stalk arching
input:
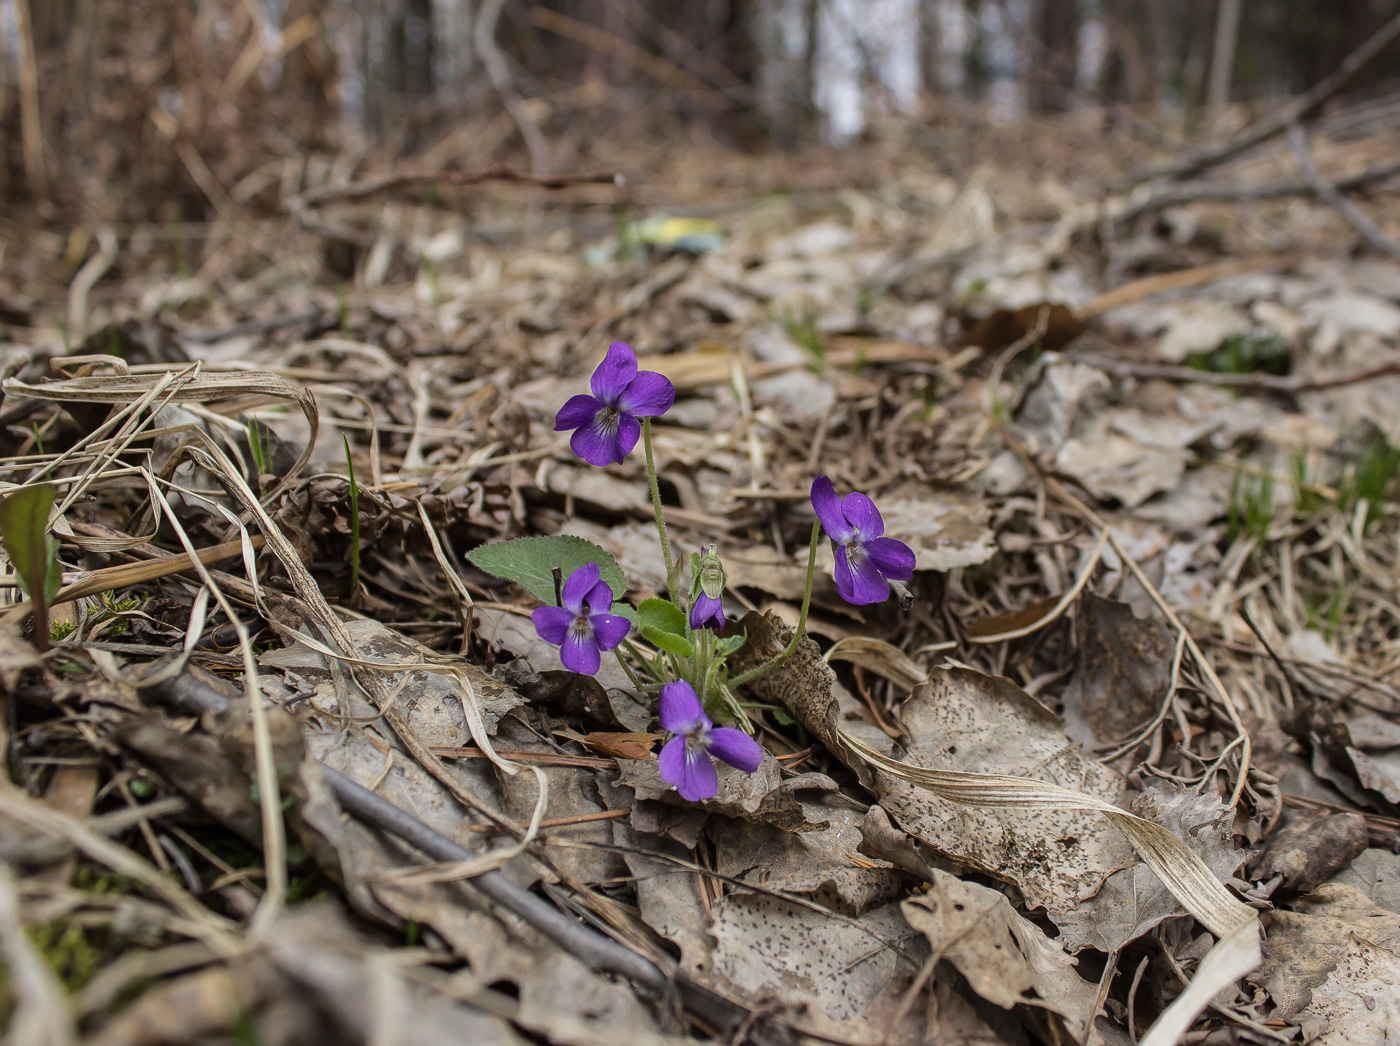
(786, 652)
(672, 586)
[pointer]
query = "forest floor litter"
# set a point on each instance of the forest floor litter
(1142, 443)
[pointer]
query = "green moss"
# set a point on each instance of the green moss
(74, 952)
(1266, 352)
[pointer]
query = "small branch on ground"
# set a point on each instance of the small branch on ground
(1354, 215)
(1301, 107)
(1288, 384)
(1204, 192)
(301, 206)
(484, 39)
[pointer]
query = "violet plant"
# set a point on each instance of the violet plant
(681, 653)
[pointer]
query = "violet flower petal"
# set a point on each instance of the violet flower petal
(579, 410)
(866, 583)
(680, 710)
(841, 574)
(707, 613)
(579, 652)
(614, 374)
(649, 394)
(697, 778)
(609, 629)
(735, 747)
(600, 598)
(596, 442)
(861, 513)
(578, 585)
(671, 760)
(552, 623)
(892, 558)
(827, 506)
(629, 430)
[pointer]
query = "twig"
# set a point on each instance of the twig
(1202, 192)
(1358, 219)
(656, 67)
(484, 39)
(301, 206)
(541, 758)
(1268, 647)
(1288, 384)
(1299, 108)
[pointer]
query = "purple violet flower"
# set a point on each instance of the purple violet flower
(606, 422)
(864, 559)
(685, 760)
(582, 628)
(707, 613)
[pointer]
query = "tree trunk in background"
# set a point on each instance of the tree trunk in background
(930, 58)
(310, 73)
(1130, 64)
(1222, 62)
(1055, 57)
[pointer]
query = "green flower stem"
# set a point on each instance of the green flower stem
(700, 665)
(671, 583)
(636, 683)
(646, 662)
(786, 652)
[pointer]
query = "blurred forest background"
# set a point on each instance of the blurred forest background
(162, 109)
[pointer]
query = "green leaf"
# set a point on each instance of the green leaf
(24, 522)
(53, 578)
(530, 563)
(662, 616)
(781, 716)
(668, 641)
(729, 644)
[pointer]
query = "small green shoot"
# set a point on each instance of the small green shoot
(354, 517)
(428, 267)
(1306, 499)
(1327, 608)
(1368, 479)
(33, 551)
(256, 445)
(1251, 509)
(1250, 353)
(805, 332)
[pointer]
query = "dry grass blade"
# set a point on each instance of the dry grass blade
(884, 659)
(269, 795)
(1180, 869)
(195, 388)
(123, 574)
(1065, 602)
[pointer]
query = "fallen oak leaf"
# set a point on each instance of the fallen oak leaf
(622, 744)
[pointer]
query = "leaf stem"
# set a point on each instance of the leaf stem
(636, 683)
(786, 652)
(671, 582)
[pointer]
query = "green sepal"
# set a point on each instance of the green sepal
(729, 644)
